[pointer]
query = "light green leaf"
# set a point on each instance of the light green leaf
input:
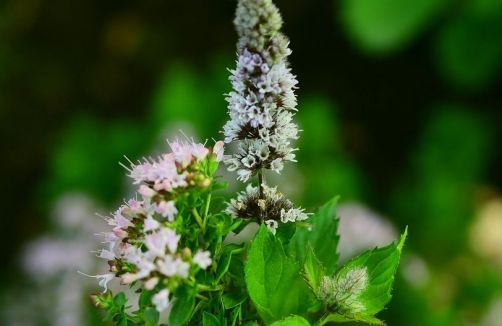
(384, 26)
(322, 237)
(292, 321)
(271, 276)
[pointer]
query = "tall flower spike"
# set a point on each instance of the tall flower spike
(263, 102)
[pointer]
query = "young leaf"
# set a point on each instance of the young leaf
(292, 321)
(313, 270)
(270, 277)
(362, 287)
(322, 237)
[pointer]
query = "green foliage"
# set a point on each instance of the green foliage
(321, 236)
(292, 321)
(270, 276)
(473, 36)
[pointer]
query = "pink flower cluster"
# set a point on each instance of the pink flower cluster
(143, 244)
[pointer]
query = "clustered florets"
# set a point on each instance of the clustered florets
(342, 291)
(260, 105)
(144, 245)
(273, 209)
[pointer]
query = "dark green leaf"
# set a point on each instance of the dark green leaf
(226, 257)
(285, 231)
(322, 237)
(270, 276)
(231, 300)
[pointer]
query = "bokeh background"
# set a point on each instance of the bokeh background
(400, 103)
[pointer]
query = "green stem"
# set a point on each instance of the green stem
(203, 288)
(206, 210)
(198, 219)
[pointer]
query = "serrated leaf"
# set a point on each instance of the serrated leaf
(181, 310)
(209, 319)
(292, 321)
(362, 287)
(270, 276)
(387, 25)
(322, 237)
(313, 270)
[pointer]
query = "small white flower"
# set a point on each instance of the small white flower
(272, 225)
(105, 278)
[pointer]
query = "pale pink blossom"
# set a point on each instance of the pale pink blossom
(105, 278)
(203, 259)
(161, 300)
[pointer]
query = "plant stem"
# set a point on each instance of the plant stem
(206, 211)
(198, 219)
(261, 180)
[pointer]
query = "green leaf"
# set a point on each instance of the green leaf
(322, 237)
(292, 321)
(362, 287)
(384, 26)
(120, 299)
(270, 276)
(314, 271)
(226, 257)
(181, 310)
(209, 319)
(231, 300)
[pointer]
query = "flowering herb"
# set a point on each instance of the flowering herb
(168, 243)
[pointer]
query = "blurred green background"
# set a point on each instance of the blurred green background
(400, 104)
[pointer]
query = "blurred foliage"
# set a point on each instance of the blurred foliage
(467, 48)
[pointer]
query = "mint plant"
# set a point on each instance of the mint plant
(169, 244)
